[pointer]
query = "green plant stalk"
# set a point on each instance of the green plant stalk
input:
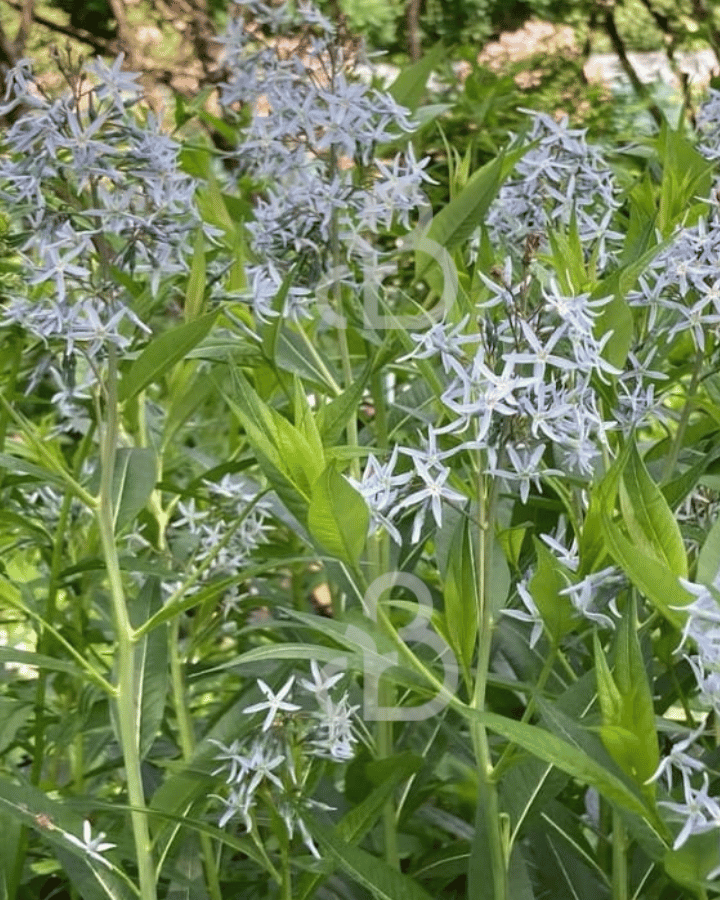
(487, 787)
(187, 747)
(672, 457)
(384, 732)
(126, 699)
(619, 859)
(319, 362)
(380, 563)
(10, 388)
(286, 874)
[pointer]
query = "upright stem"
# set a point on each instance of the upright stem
(10, 391)
(488, 795)
(286, 872)
(187, 746)
(619, 859)
(672, 457)
(126, 701)
(384, 732)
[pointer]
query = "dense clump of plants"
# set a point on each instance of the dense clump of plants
(352, 546)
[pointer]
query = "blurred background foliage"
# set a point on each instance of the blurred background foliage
(172, 43)
(498, 57)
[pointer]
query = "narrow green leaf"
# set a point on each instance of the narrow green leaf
(338, 517)
(658, 583)
(276, 439)
(332, 417)
(151, 666)
(637, 712)
(305, 421)
(374, 874)
(648, 518)
(162, 353)
(676, 490)
(615, 318)
(13, 834)
(549, 579)
(56, 824)
(628, 716)
(645, 570)
(38, 660)
(461, 216)
(409, 86)
(687, 176)
(134, 478)
(571, 759)
(13, 715)
(195, 291)
(272, 331)
(17, 464)
(460, 595)
(608, 693)
(708, 564)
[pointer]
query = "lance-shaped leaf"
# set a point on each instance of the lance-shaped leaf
(409, 86)
(305, 420)
(460, 595)
(151, 666)
(338, 517)
(648, 518)
(550, 578)
(572, 760)
(288, 459)
(463, 214)
(374, 874)
(134, 477)
(650, 574)
(94, 877)
(162, 353)
(628, 717)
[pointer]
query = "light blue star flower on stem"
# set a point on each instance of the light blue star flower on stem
(274, 703)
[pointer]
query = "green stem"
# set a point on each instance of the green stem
(619, 859)
(672, 458)
(126, 701)
(380, 564)
(487, 787)
(384, 732)
(286, 873)
(187, 747)
(10, 388)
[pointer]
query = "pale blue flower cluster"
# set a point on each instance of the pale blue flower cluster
(312, 144)
(101, 199)
(279, 758)
(562, 179)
